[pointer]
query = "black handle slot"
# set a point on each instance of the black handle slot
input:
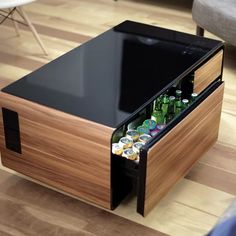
(11, 130)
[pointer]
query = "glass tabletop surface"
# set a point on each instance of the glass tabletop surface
(108, 78)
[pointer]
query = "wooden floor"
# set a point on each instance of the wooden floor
(29, 209)
(194, 205)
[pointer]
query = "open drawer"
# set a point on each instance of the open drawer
(170, 155)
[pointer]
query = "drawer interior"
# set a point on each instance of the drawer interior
(128, 175)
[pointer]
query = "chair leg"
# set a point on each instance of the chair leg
(16, 26)
(199, 31)
(32, 29)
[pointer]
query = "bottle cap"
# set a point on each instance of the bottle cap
(185, 101)
(172, 98)
(194, 95)
(178, 92)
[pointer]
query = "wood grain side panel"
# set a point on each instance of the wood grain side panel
(207, 73)
(64, 151)
(83, 128)
(172, 156)
(42, 167)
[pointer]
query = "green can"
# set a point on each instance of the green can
(143, 130)
(150, 124)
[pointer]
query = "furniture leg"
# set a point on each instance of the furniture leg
(27, 20)
(199, 31)
(16, 26)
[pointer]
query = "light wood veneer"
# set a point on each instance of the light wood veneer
(208, 72)
(171, 157)
(64, 151)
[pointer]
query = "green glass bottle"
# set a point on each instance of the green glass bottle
(172, 103)
(157, 116)
(171, 110)
(178, 94)
(165, 104)
(178, 103)
(158, 103)
(193, 97)
(178, 107)
(185, 103)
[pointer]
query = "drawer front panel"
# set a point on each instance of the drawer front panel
(64, 151)
(172, 156)
(208, 72)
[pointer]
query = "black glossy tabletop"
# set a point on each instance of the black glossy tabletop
(112, 75)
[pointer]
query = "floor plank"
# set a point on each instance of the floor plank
(27, 208)
(194, 205)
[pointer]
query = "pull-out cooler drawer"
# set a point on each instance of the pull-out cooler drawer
(169, 157)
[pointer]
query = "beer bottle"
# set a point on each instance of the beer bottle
(158, 103)
(165, 104)
(156, 109)
(178, 94)
(172, 104)
(193, 97)
(157, 116)
(178, 107)
(185, 103)
(171, 109)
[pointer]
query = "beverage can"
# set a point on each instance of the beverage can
(130, 154)
(117, 149)
(143, 130)
(144, 138)
(133, 134)
(161, 126)
(150, 124)
(137, 146)
(126, 142)
(155, 132)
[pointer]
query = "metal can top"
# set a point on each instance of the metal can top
(126, 142)
(130, 154)
(133, 134)
(144, 138)
(150, 124)
(143, 130)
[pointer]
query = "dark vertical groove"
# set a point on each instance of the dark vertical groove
(142, 182)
